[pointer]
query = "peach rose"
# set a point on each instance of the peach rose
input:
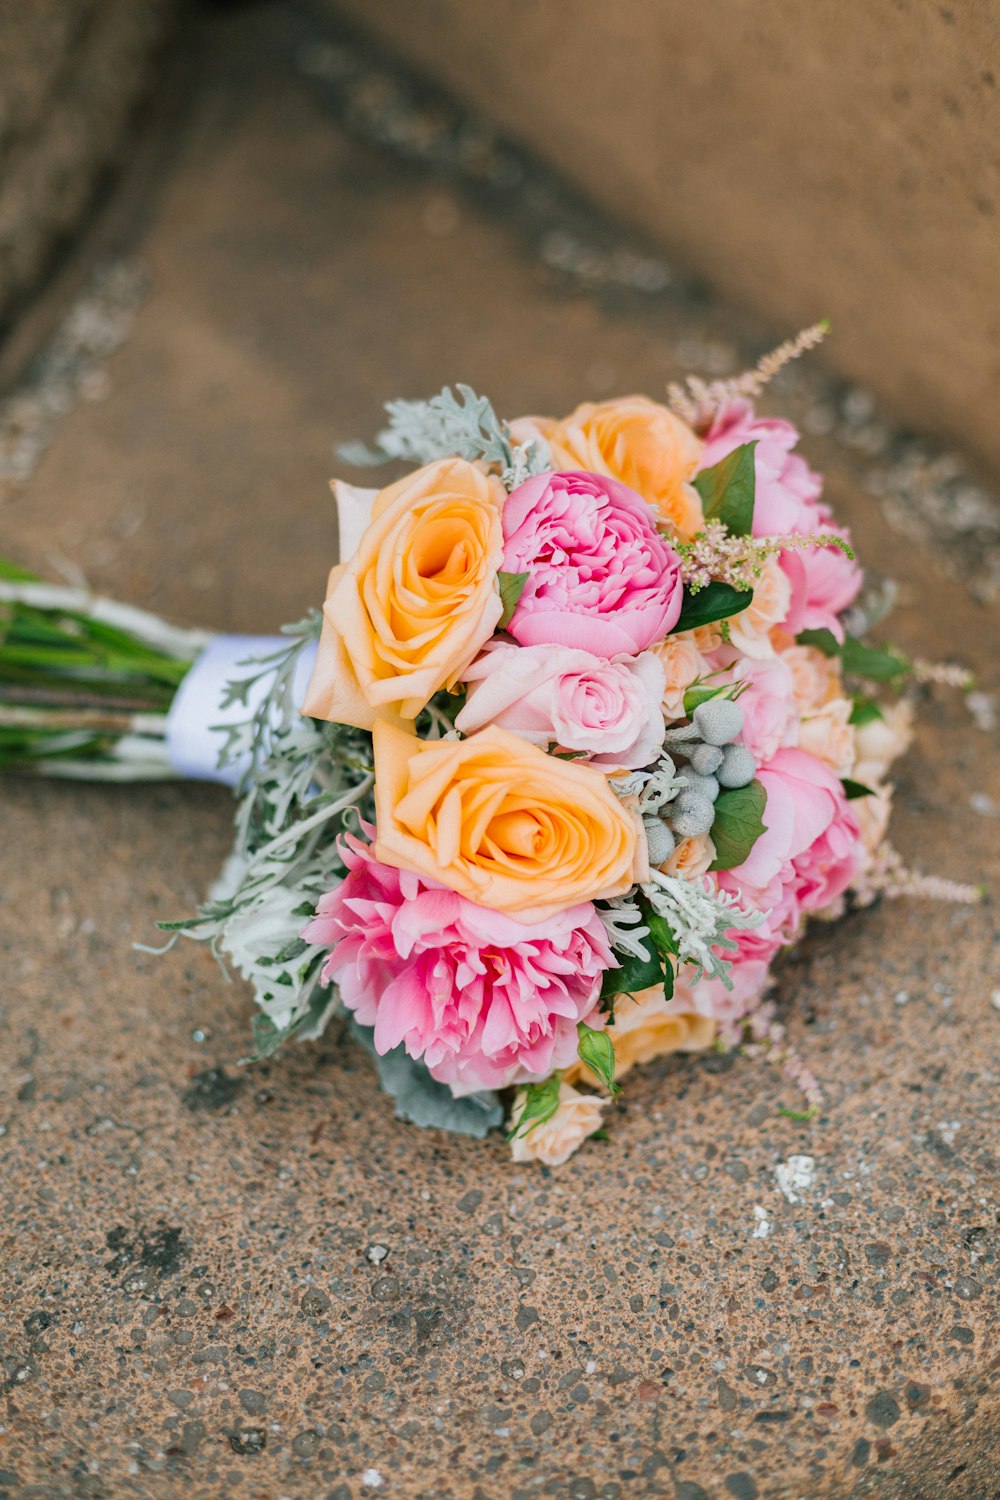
(692, 858)
(684, 664)
(554, 1141)
(502, 823)
(416, 602)
(647, 1026)
(641, 443)
(815, 677)
(829, 735)
(873, 814)
(750, 630)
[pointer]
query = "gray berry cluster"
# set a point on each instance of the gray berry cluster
(713, 762)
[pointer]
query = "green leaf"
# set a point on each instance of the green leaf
(800, 1116)
(716, 601)
(598, 1054)
(541, 1100)
(633, 975)
(855, 789)
(660, 930)
(738, 824)
(823, 640)
(701, 693)
(727, 490)
(859, 660)
(511, 586)
(865, 711)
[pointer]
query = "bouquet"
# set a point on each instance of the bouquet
(581, 739)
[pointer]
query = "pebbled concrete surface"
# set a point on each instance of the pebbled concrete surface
(218, 1281)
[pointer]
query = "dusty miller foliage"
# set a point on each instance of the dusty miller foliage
(304, 783)
(449, 426)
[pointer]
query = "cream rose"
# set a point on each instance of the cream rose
(750, 630)
(829, 735)
(641, 443)
(692, 858)
(417, 600)
(881, 741)
(554, 1141)
(647, 1026)
(501, 822)
(815, 677)
(683, 664)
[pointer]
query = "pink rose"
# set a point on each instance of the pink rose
(485, 1000)
(609, 710)
(824, 580)
(600, 575)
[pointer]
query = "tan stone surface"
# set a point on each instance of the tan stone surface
(190, 1294)
(827, 159)
(71, 74)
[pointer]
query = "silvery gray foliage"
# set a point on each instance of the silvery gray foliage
(452, 426)
(421, 1099)
(625, 925)
(701, 918)
(306, 781)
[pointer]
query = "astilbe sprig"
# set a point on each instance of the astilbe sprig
(718, 555)
(698, 401)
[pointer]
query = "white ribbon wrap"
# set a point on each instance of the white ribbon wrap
(196, 719)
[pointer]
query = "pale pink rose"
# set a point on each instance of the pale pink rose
(558, 695)
(683, 664)
(767, 698)
(553, 1142)
(782, 917)
(828, 734)
(692, 858)
(815, 676)
(600, 574)
(485, 1000)
(824, 581)
(750, 630)
(786, 489)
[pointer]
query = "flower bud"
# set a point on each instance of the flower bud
(738, 767)
(692, 815)
(706, 759)
(659, 841)
(718, 721)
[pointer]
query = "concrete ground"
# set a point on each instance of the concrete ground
(255, 1282)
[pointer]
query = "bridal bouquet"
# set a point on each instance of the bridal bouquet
(577, 744)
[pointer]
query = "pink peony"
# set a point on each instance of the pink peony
(600, 575)
(824, 580)
(485, 1000)
(807, 856)
(557, 695)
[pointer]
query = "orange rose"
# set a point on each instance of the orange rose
(415, 603)
(641, 443)
(501, 822)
